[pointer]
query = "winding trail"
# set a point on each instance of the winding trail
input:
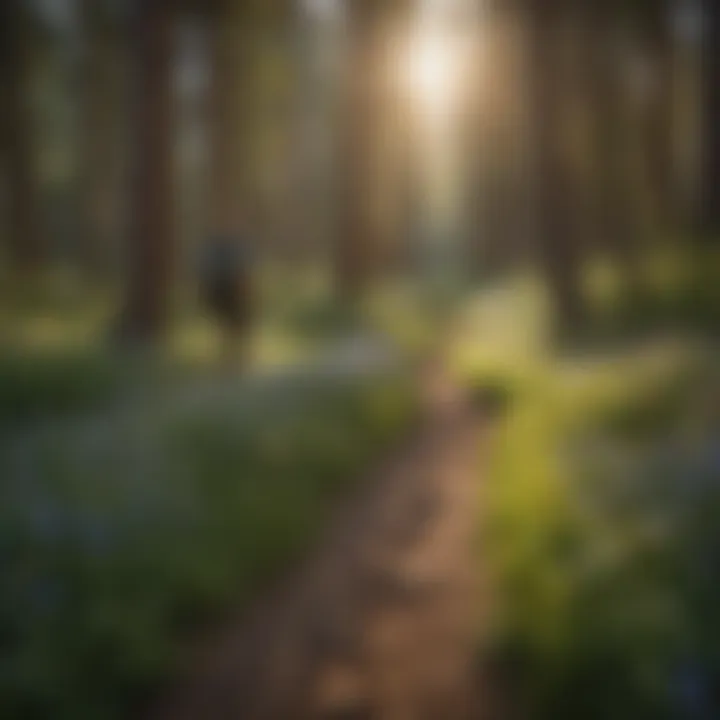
(380, 622)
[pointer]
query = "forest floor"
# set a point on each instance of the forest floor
(380, 621)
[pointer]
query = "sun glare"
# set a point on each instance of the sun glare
(432, 74)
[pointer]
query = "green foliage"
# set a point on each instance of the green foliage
(320, 319)
(36, 385)
(680, 291)
(600, 474)
(120, 537)
(598, 521)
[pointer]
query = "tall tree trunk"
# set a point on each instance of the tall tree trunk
(314, 134)
(710, 188)
(481, 238)
(305, 168)
(17, 142)
(660, 127)
(559, 248)
(615, 219)
(151, 241)
(228, 95)
(356, 241)
(100, 141)
(495, 145)
(402, 182)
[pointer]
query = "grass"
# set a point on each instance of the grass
(62, 321)
(58, 384)
(680, 291)
(598, 517)
(121, 531)
(118, 538)
(133, 508)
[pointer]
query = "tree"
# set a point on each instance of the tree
(100, 143)
(249, 68)
(614, 217)
(18, 142)
(151, 238)
(228, 94)
(559, 248)
(710, 201)
(654, 18)
(496, 145)
(356, 241)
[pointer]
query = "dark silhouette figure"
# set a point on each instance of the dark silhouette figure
(226, 291)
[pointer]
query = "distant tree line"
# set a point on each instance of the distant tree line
(580, 58)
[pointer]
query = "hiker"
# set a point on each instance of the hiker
(226, 292)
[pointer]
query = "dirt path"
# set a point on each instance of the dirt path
(380, 622)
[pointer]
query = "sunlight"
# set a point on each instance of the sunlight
(441, 54)
(433, 73)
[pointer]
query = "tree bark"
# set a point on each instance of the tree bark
(17, 142)
(615, 222)
(558, 247)
(100, 144)
(227, 119)
(661, 115)
(710, 187)
(496, 146)
(356, 242)
(151, 241)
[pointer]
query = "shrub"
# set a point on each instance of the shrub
(597, 528)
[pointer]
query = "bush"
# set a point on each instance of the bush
(597, 527)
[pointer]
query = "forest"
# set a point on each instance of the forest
(359, 359)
